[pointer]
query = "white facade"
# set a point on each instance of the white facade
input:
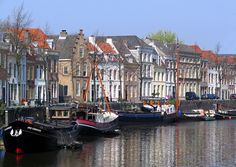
(40, 83)
(147, 65)
(13, 87)
(213, 79)
(159, 72)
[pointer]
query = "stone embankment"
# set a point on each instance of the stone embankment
(184, 105)
(206, 104)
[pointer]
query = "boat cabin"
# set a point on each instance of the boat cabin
(62, 112)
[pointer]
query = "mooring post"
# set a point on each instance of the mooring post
(47, 114)
(6, 117)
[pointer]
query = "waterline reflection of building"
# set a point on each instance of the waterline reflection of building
(183, 144)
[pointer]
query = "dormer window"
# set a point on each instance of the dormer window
(130, 60)
(35, 44)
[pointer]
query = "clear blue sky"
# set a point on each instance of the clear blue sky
(202, 22)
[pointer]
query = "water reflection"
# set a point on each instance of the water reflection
(182, 144)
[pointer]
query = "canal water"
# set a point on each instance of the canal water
(186, 144)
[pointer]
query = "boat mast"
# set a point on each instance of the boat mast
(103, 90)
(177, 78)
(141, 74)
(94, 78)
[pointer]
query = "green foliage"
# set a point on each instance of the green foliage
(172, 101)
(155, 94)
(164, 37)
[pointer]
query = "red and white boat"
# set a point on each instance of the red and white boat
(97, 123)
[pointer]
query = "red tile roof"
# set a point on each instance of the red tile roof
(35, 35)
(196, 48)
(209, 55)
(229, 59)
(205, 54)
(106, 48)
(91, 47)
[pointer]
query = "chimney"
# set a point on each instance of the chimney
(81, 33)
(92, 39)
(26, 37)
(63, 34)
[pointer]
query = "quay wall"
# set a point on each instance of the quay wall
(184, 105)
(39, 113)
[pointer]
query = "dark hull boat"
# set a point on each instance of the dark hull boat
(225, 114)
(163, 115)
(197, 115)
(98, 123)
(24, 137)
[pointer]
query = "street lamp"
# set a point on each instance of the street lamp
(177, 77)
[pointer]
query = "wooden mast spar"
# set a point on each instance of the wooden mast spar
(100, 81)
(177, 78)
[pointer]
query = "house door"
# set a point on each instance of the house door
(39, 93)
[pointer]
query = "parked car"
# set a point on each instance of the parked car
(232, 96)
(209, 96)
(191, 96)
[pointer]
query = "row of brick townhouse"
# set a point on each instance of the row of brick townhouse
(26, 79)
(130, 68)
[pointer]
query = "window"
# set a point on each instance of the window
(9, 69)
(127, 76)
(131, 77)
(102, 74)
(4, 61)
(15, 91)
(40, 72)
(31, 72)
(66, 114)
(135, 91)
(77, 69)
(77, 87)
(131, 91)
(130, 60)
(65, 70)
(81, 51)
(55, 66)
(114, 93)
(65, 90)
(110, 73)
(24, 72)
(114, 74)
(149, 71)
(14, 70)
(85, 69)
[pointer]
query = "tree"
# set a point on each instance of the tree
(217, 48)
(14, 26)
(164, 37)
